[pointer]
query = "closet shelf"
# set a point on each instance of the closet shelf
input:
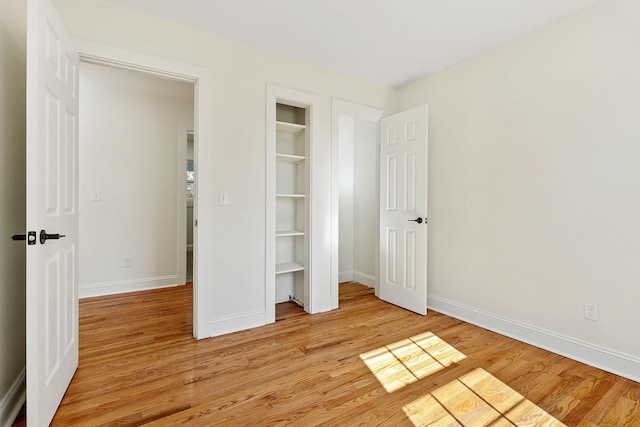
(295, 196)
(287, 127)
(288, 233)
(288, 267)
(292, 157)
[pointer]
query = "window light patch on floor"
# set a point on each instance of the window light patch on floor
(477, 399)
(407, 361)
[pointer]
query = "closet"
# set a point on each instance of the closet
(290, 136)
(291, 203)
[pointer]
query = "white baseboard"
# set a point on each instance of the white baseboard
(143, 284)
(365, 279)
(13, 400)
(608, 360)
(238, 322)
(356, 276)
(345, 276)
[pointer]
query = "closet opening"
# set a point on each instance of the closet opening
(291, 205)
(355, 211)
(358, 200)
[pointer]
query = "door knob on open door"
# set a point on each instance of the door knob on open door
(418, 220)
(44, 236)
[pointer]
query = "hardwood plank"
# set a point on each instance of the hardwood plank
(604, 405)
(367, 363)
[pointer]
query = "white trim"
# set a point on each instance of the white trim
(356, 276)
(13, 400)
(122, 286)
(324, 304)
(608, 360)
(345, 276)
(340, 107)
(365, 279)
(204, 235)
(238, 322)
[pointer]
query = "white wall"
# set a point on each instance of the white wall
(12, 208)
(234, 161)
(534, 184)
(129, 142)
(358, 199)
(366, 208)
(346, 144)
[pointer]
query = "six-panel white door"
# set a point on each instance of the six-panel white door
(403, 209)
(52, 208)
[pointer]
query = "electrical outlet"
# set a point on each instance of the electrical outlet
(126, 261)
(591, 311)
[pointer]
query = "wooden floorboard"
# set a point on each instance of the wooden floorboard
(367, 363)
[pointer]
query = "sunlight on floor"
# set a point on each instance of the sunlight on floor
(409, 360)
(477, 399)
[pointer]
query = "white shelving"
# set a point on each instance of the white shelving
(291, 116)
(293, 196)
(290, 157)
(289, 233)
(289, 267)
(288, 127)
(291, 245)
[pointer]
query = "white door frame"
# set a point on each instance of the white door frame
(96, 53)
(340, 107)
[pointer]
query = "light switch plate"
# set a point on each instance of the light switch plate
(223, 199)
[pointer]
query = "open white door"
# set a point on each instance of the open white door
(52, 212)
(403, 209)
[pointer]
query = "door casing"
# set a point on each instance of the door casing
(96, 53)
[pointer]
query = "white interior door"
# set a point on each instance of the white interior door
(403, 209)
(52, 208)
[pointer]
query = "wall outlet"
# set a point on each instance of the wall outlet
(591, 311)
(126, 261)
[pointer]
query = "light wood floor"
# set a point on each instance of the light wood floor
(368, 363)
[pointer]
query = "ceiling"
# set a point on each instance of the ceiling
(387, 41)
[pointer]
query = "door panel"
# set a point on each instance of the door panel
(403, 174)
(52, 195)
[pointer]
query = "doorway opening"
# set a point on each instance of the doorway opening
(358, 200)
(133, 223)
(355, 147)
